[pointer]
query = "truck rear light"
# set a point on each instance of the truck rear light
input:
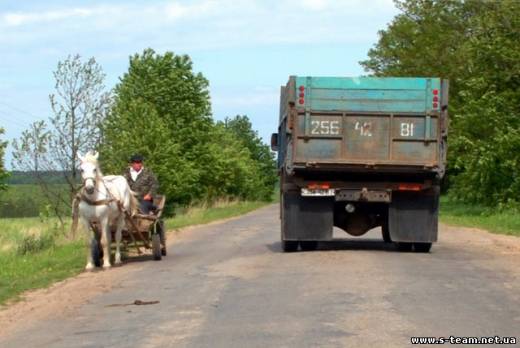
(302, 95)
(301, 101)
(322, 186)
(301, 88)
(410, 187)
(435, 99)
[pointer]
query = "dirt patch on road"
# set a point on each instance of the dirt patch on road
(476, 238)
(59, 299)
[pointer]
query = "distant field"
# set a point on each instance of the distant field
(25, 200)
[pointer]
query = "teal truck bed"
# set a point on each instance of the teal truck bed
(372, 122)
(361, 144)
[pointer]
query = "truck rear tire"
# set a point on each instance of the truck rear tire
(306, 218)
(308, 245)
(413, 216)
(404, 246)
(289, 246)
(422, 247)
(386, 233)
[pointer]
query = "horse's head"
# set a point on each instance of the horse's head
(89, 170)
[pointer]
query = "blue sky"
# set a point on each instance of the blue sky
(246, 49)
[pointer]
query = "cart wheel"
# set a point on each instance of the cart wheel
(156, 246)
(96, 251)
(162, 233)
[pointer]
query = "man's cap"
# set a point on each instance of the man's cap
(136, 158)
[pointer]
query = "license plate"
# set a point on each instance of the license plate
(318, 192)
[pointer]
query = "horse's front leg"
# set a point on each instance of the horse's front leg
(90, 234)
(105, 241)
(120, 225)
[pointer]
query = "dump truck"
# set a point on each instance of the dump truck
(358, 153)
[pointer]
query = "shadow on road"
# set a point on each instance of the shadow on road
(137, 258)
(345, 244)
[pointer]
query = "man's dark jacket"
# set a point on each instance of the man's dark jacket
(144, 184)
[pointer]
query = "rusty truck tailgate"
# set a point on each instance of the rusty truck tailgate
(367, 121)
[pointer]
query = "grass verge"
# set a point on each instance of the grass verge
(463, 214)
(29, 261)
(221, 210)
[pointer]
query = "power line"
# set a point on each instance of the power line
(9, 119)
(19, 110)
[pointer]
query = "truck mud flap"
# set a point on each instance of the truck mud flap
(413, 217)
(307, 218)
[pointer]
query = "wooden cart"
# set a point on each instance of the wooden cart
(140, 231)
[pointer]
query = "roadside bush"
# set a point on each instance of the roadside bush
(34, 243)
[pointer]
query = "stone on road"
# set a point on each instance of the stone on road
(229, 285)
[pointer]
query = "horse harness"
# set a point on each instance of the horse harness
(84, 198)
(107, 201)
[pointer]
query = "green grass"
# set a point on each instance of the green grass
(35, 254)
(471, 215)
(20, 273)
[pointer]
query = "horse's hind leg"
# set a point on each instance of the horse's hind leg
(120, 225)
(105, 241)
(90, 261)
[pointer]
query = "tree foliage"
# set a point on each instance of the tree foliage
(162, 111)
(476, 45)
(79, 105)
(242, 129)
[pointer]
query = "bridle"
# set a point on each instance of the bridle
(83, 197)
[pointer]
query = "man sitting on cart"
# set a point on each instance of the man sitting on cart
(143, 182)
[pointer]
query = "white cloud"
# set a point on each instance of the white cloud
(178, 10)
(203, 24)
(316, 5)
(23, 18)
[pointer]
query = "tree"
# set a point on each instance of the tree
(242, 129)
(79, 106)
(475, 45)
(3, 172)
(234, 173)
(162, 110)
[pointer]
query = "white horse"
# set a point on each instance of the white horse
(102, 199)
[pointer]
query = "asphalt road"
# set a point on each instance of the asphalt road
(229, 285)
